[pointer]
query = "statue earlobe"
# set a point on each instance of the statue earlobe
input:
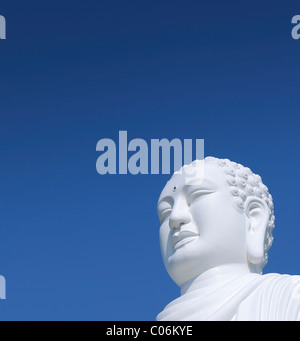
(257, 213)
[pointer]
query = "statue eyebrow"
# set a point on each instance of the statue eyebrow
(206, 184)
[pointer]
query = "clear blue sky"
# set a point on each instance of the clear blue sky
(79, 246)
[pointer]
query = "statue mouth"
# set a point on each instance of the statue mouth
(183, 238)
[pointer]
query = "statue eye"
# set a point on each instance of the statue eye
(195, 196)
(164, 214)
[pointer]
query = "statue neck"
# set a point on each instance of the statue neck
(219, 274)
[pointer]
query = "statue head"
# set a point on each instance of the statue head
(214, 212)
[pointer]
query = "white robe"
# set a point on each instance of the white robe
(251, 297)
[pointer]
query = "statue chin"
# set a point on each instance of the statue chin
(182, 268)
(189, 261)
(217, 219)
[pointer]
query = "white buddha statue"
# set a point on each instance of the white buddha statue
(217, 219)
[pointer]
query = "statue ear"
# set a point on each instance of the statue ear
(257, 212)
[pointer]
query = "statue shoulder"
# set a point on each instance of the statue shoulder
(285, 287)
(277, 298)
(293, 279)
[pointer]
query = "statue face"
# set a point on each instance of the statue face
(200, 226)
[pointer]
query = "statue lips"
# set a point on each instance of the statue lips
(182, 238)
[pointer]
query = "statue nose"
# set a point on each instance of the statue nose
(179, 217)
